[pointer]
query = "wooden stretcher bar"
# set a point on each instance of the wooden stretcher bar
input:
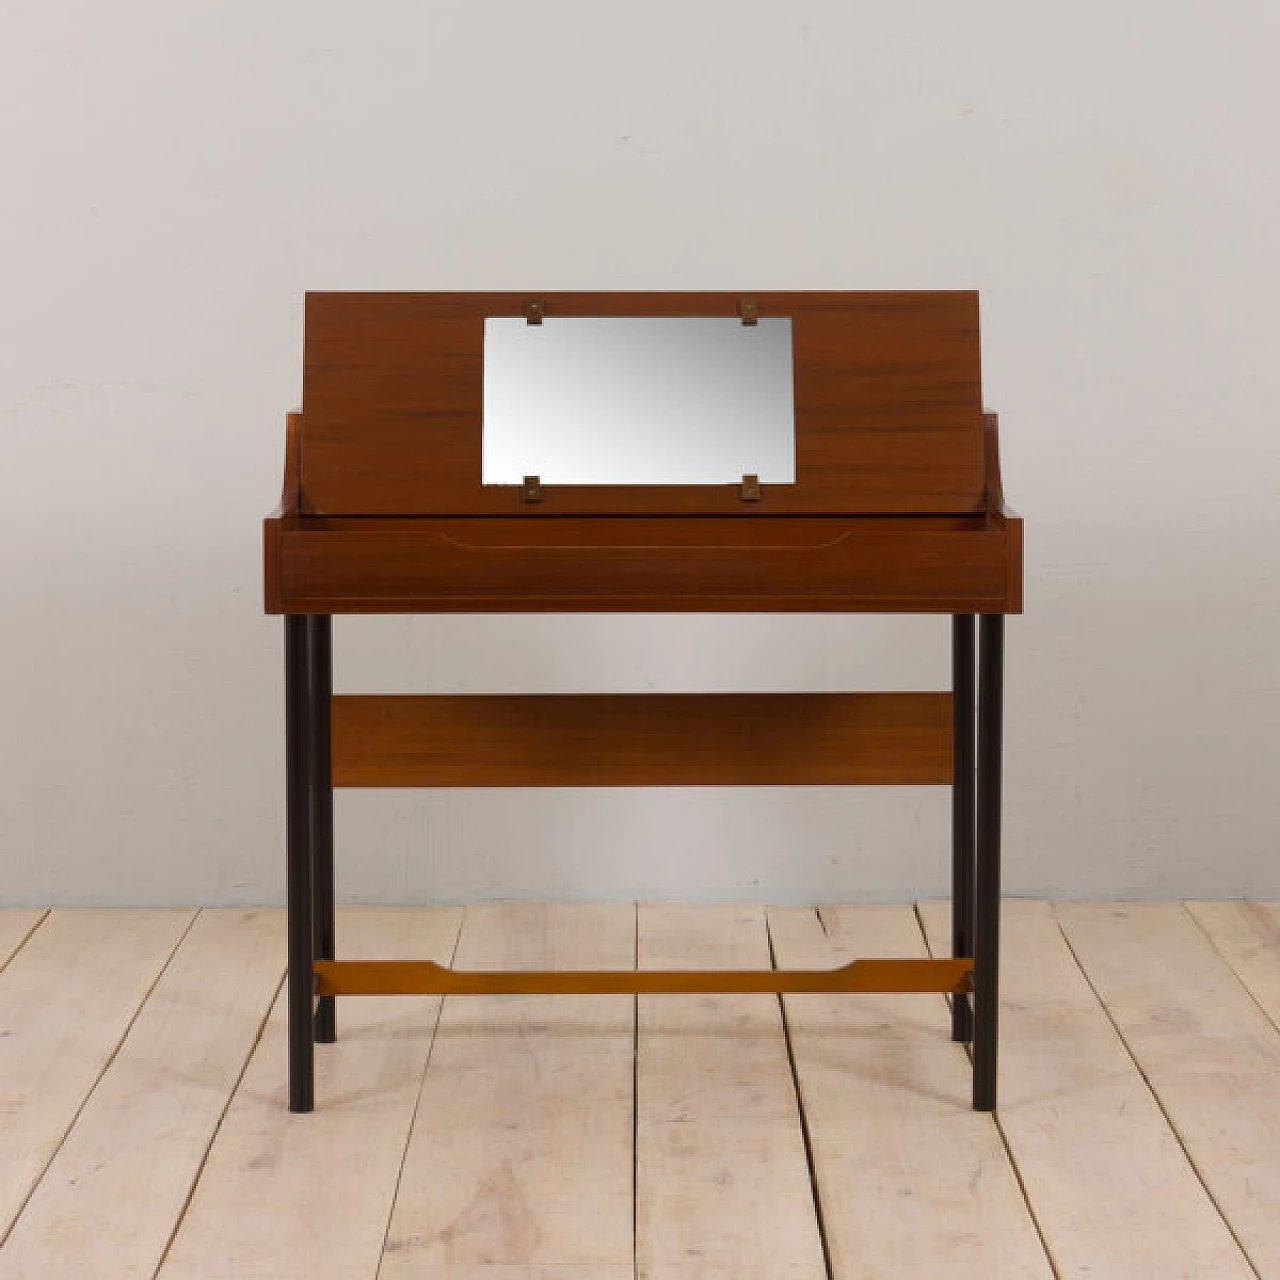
(424, 977)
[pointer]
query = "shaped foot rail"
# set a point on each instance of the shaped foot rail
(424, 977)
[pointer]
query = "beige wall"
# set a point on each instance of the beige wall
(175, 175)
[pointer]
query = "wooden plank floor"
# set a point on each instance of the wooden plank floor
(144, 1133)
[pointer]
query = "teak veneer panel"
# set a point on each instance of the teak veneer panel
(352, 565)
(650, 739)
(888, 412)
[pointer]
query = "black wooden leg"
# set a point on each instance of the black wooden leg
(987, 872)
(320, 632)
(299, 888)
(962, 813)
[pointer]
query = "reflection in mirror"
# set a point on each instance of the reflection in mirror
(638, 400)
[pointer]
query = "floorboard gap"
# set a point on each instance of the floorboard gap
(1004, 1137)
(417, 1102)
(26, 937)
(804, 1119)
(106, 1066)
(635, 1110)
(217, 1129)
(1168, 1119)
(1208, 937)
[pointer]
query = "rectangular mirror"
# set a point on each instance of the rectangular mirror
(648, 400)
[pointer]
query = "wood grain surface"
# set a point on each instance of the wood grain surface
(308, 1197)
(934, 564)
(67, 999)
(400, 977)
(632, 739)
(107, 1204)
(912, 1181)
(1113, 1192)
(1208, 1051)
(722, 1181)
(887, 405)
(519, 1163)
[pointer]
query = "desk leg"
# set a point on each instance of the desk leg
(299, 889)
(962, 811)
(987, 871)
(320, 637)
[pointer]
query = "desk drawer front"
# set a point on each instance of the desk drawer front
(423, 570)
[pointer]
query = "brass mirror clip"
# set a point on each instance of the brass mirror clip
(533, 311)
(751, 488)
(749, 312)
(531, 486)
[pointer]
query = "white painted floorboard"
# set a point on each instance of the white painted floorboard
(912, 1181)
(67, 999)
(1247, 936)
(1112, 1190)
(144, 1128)
(722, 1180)
(1209, 1052)
(108, 1202)
(309, 1196)
(16, 926)
(520, 1160)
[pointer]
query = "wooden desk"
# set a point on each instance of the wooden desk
(897, 508)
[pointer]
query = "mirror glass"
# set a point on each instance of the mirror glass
(638, 400)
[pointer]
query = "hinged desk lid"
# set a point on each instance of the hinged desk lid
(888, 416)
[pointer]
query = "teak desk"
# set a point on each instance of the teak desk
(896, 508)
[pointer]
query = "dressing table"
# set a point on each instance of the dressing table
(513, 452)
